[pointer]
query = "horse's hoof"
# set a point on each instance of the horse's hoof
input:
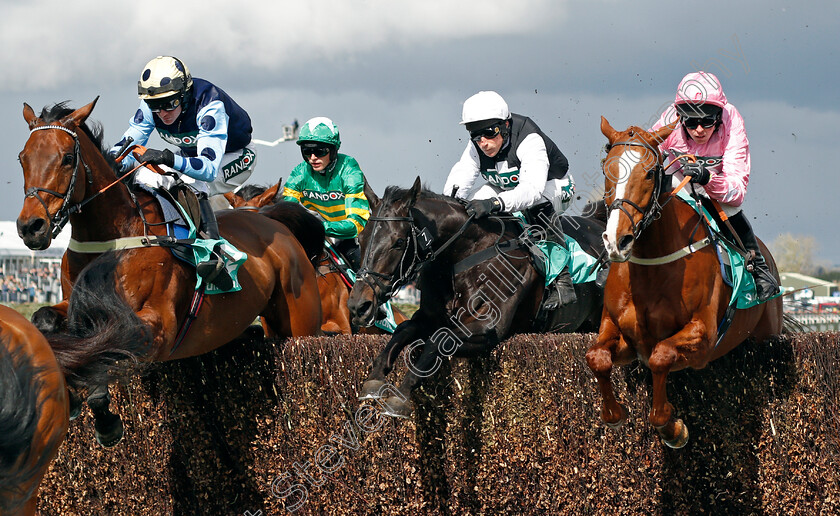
(681, 439)
(75, 405)
(396, 407)
(371, 390)
(615, 421)
(110, 438)
(47, 320)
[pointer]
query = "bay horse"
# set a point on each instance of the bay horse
(34, 411)
(478, 282)
(68, 175)
(333, 289)
(664, 299)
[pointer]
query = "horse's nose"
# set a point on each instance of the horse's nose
(34, 232)
(361, 311)
(625, 243)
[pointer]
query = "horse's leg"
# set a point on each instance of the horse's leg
(51, 319)
(295, 308)
(384, 362)
(662, 360)
(425, 366)
(107, 425)
(609, 347)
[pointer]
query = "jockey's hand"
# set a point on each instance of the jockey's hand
(697, 172)
(156, 157)
(481, 208)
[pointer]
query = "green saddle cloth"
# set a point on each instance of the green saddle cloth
(582, 266)
(732, 262)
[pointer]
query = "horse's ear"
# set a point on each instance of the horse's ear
(78, 117)
(373, 200)
(29, 115)
(608, 131)
(232, 198)
(278, 193)
(414, 193)
(270, 195)
(664, 132)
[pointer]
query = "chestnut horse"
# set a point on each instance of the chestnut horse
(334, 290)
(667, 313)
(68, 175)
(33, 411)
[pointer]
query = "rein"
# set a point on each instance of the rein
(421, 241)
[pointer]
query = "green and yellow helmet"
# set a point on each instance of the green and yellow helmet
(320, 129)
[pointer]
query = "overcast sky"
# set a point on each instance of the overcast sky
(393, 76)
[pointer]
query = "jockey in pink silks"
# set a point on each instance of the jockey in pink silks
(712, 129)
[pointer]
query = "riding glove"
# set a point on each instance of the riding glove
(480, 208)
(156, 157)
(697, 172)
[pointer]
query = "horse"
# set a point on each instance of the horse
(478, 281)
(665, 296)
(333, 289)
(68, 175)
(34, 411)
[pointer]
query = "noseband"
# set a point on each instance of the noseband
(421, 241)
(653, 209)
(386, 285)
(62, 216)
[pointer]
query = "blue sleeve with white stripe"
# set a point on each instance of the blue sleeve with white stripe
(212, 123)
(140, 127)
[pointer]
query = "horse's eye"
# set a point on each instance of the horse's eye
(399, 244)
(67, 161)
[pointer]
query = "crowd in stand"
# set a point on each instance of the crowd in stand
(37, 284)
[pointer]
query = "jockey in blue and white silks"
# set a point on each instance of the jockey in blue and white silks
(212, 133)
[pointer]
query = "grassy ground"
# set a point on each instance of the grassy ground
(27, 309)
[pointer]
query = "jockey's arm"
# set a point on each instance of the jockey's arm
(210, 144)
(140, 127)
(464, 173)
(533, 174)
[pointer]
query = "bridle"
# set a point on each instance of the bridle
(654, 209)
(385, 286)
(62, 216)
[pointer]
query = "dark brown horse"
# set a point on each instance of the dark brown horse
(477, 277)
(33, 411)
(67, 174)
(663, 301)
(334, 291)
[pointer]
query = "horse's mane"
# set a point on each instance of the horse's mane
(395, 193)
(248, 192)
(19, 408)
(92, 129)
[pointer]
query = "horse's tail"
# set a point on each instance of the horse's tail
(19, 415)
(306, 227)
(102, 330)
(791, 325)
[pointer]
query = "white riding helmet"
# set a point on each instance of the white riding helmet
(164, 76)
(484, 105)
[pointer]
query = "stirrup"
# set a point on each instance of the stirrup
(214, 271)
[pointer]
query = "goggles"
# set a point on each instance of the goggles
(706, 122)
(319, 151)
(164, 104)
(488, 132)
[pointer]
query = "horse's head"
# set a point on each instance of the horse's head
(53, 172)
(633, 178)
(392, 251)
(253, 197)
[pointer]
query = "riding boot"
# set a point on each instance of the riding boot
(349, 249)
(562, 290)
(213, 270)
(766, 285)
